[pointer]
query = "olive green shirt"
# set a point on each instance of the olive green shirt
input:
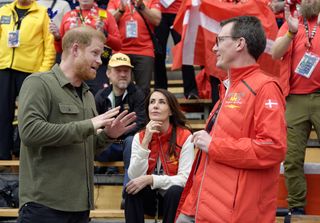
(57, 142)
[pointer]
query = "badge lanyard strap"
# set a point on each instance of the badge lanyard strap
(83, 20)
(81, 17)
(313, 33)
(18, 23)
(131, 8)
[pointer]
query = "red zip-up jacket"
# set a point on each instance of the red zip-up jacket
(237, 180)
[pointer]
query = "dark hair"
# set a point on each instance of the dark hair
(177, 119)
(250, 28)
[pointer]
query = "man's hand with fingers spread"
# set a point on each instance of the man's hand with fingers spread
(105, 119)
(122, 123)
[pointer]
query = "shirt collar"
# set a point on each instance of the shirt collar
(63, 80)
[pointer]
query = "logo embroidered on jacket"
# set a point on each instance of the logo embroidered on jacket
(234, 100)
(5, 19)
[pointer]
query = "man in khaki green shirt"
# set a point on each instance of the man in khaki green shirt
(60, 132)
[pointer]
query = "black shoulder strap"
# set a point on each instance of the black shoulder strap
(145, 21)
(250, 89)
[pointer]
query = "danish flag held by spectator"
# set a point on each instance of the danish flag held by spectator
(198, 22)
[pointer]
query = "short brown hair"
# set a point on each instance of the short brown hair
(82, 35)
(251, 29)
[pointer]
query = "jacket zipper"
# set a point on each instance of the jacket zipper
(165, 168)
(13, 48)
(206, 161)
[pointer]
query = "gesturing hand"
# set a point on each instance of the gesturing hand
(137, 184)
(276, 6)
(105, 118)
(121, 124)
(293, 21)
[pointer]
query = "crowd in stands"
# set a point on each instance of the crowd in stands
(81, 70)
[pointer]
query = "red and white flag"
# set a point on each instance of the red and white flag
(198, 22)
(271, 104)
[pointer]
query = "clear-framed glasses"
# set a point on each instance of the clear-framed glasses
(222, 38)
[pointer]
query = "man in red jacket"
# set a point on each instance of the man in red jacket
(235, 174)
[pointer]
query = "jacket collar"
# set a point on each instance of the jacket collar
(163, 136)
(34, 6)
(111, 97)
(63, 81)
(236, 74)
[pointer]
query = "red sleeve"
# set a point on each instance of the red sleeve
(283, 29)
(267, 146)
(114, 39)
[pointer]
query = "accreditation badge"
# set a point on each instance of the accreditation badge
(307, 64)
(132, 29)
(13, 39)
(5, 19)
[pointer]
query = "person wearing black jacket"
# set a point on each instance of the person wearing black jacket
(124, 93)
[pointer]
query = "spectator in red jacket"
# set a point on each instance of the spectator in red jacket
(136, 39)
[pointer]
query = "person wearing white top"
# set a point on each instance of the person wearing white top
(58, 9)
(161, 159)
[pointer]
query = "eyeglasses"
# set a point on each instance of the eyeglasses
(222, 38)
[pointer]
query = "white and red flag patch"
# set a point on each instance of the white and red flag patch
(271, 104)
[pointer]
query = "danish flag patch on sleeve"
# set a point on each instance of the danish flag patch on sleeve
(271, 104)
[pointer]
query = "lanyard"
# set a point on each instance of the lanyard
(18, 23)
(313, 33)
(81, 17)
(92, 13)
(131, 8)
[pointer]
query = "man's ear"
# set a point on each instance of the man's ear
(108, 72)
(75, 49)
(241, 43)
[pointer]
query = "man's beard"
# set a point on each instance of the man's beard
(309, 11)
(123, 85)
(83, 71)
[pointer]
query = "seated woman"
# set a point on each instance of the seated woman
(161, 160)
